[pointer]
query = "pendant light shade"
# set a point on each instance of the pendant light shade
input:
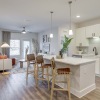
(51, 34)
(70, 30)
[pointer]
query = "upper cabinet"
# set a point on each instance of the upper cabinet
(81, 37)
(93, 31)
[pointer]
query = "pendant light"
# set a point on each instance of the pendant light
(70, 30)
(51, 34)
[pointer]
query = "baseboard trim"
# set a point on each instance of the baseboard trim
(83, 92)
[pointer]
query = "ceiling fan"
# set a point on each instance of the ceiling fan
(23, 31)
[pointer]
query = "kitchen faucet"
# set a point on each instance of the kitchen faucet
(95, 49)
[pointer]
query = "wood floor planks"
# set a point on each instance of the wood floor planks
(13, 87)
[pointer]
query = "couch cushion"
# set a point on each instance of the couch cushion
(3, 56)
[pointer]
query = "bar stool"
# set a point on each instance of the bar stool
(30, 60)
(40, 61)
(60, 71)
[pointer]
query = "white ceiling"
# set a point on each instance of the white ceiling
(35, 14)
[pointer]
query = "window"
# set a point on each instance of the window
(14, 47)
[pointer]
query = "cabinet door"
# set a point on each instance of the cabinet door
(97, 66)
(90, 30)
(81, 37)
(97, 30)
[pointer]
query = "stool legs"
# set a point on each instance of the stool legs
(53, 82)
(68, 86)
(37, 76)
(27, 73)
(48, 79)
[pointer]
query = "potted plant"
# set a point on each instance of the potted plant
(66, 43)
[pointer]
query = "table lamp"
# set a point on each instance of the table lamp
(3, 46)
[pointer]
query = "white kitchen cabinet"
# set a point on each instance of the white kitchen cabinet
(97, 66)
(97, 62)
(81, 37)
(93, 31)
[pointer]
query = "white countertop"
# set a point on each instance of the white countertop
(71, 60)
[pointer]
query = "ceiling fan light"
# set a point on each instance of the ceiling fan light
(51, 35)
(24, 32)
(70, 32)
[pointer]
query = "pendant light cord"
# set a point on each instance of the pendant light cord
(51, 20)
(70, 12)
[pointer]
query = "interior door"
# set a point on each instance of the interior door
(26, 44)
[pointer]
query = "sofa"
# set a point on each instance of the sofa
(7, 64)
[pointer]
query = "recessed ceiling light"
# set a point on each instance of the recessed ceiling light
(78, 16)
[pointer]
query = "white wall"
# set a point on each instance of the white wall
(56, 41)
(64, 30)
(53, 42)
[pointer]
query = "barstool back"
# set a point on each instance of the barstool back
(39, 59)
(53, 63)
(30, 57)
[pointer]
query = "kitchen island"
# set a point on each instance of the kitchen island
(82, 74)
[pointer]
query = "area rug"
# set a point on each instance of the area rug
(16, 69)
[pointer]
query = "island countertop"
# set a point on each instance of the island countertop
(70, 60)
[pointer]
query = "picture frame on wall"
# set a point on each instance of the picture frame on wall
(46, 47)
(49, 39)
(44, 38)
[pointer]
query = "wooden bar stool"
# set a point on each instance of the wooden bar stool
(30, 60)
(40, 61)
(60, 71)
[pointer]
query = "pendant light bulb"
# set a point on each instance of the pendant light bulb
(70, 30)
(51, 34)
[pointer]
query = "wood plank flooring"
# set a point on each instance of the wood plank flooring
(13, 87)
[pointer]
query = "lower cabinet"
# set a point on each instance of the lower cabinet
(97, 63)
(97, 66)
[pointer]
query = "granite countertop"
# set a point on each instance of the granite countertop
(71, 60)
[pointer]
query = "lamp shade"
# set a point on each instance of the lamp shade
(5, 45)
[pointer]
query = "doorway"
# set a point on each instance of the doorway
(26, 44)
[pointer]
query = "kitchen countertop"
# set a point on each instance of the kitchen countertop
(71, 60)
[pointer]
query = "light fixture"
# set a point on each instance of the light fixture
(4, 46)
(70, 30)
(51, 34)
(23, 31)
(78, 16)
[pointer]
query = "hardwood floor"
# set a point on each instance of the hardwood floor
(13, 87)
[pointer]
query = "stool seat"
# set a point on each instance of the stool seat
(63, 70)
(46, 65)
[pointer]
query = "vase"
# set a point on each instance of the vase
(64, 55)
